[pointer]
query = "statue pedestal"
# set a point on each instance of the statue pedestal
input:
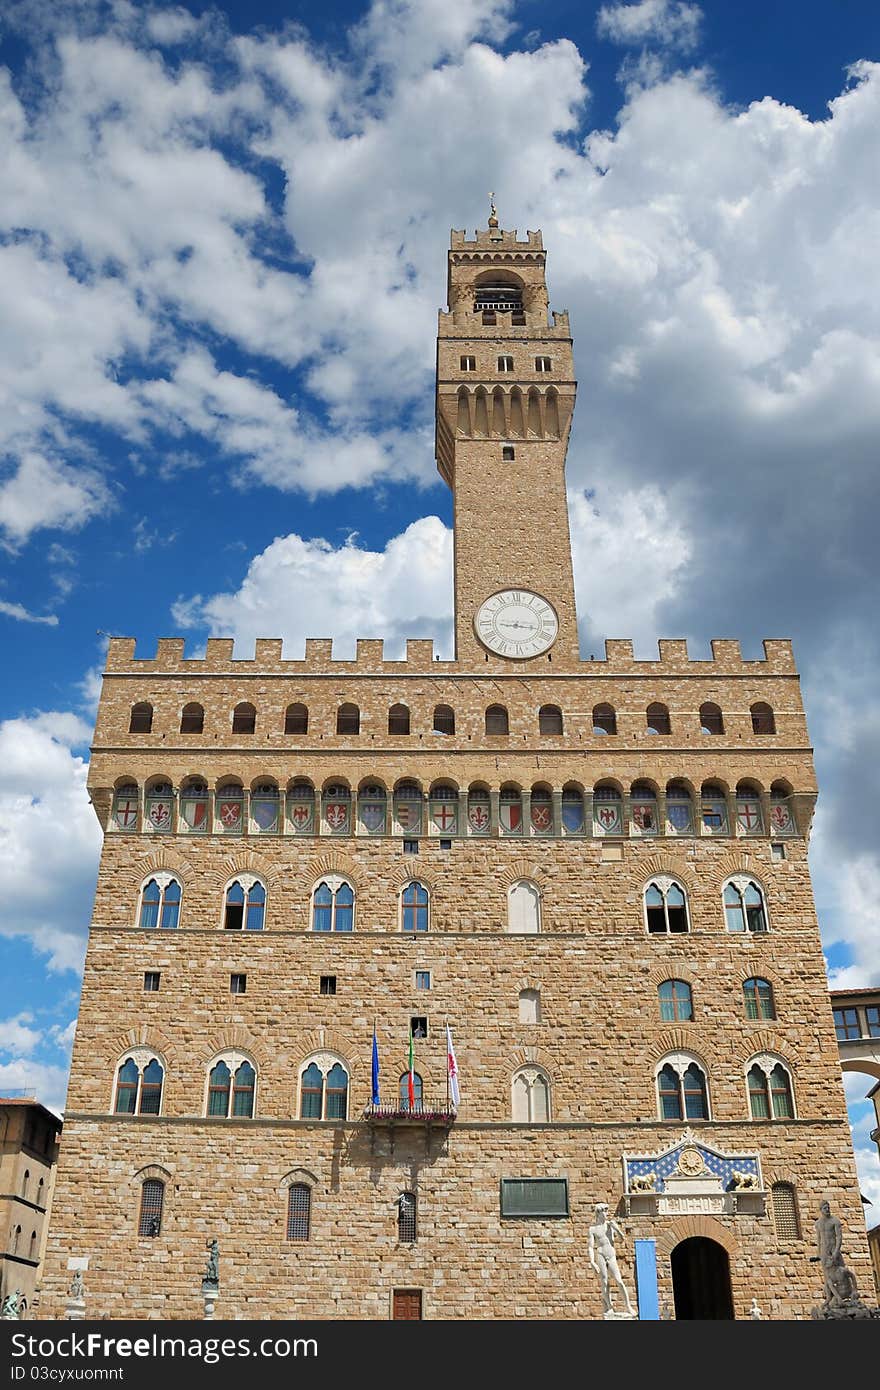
(75, 1309)
(612, 1315)
(210, 1297)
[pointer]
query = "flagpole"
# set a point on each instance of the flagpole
(446, 1036)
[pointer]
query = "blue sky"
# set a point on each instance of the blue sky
(221, 255)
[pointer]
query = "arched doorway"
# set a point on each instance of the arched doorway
(701, 1280)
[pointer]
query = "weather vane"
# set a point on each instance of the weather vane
(493, 216)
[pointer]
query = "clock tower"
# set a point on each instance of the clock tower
(505, 396)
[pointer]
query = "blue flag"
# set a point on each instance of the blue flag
(375, 1069)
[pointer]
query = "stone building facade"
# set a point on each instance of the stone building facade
(594, 872)
(29, 1135)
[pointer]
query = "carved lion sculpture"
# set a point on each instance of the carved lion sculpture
(646, 1183)
(742, 1182)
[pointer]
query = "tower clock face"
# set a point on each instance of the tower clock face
(516, 623)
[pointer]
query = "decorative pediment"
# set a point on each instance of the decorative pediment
(691, 1176)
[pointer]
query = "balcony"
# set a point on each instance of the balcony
(425, 1113)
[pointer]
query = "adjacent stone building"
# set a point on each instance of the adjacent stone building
(594, 872)
(29, 1136)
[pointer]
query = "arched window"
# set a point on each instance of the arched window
(125, 807)
(657, 719)
(296, 719)
(265, 809)
(744, 905)
(550, 720)
(192, 719)
(406, 1218)
(572, 811)
(414, 907)
(333, 905)
(348, 719)
(373, 808)
(604, 720)
(195, 807)
(497, 721)
(758, 998)
(785, 1212)
(25, 1183)
(531, 1096)
(530, 1006)
(665, 906)
(541, 812)
(139, 1083)
(301, 808)
(152, 1201)
(763, 721)
(232, 1084)
(418, 1092)
(337, 808)
(32, 1249)
(159, 807)
(245, 906)
(676, 1001)
(444, 719)
(398, 719)
(681, 1088)
(711, 721)
(40, 1187)
(679, 809)
(160, 902)
(141, 721)
(749, 820)
(479, 811)
(782, 821)
(443, 809)
(524, 907)
(607, 811)
(770, 1093)
(230, 808)
(14, 1238)
(643, 809)
(299, 1211)
(510, 811)
(714, 809)
(244, 719)
(408, 802)
(323, 1089)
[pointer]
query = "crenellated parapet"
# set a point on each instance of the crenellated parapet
(219, 656)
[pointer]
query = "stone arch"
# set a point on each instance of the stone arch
(152, 1171)
(414, 874)
(680, 1040)
(688, 1226)
(739, 863)
(233, 1038)
(143, 1036)
(331, 863)
(673, 970)
(528, 982)
(246, 861)
(166, 861)
(298, 1175)
(766, 1041)
(330, 1040)
(522, 869)
(530, 1055)
(669, 864)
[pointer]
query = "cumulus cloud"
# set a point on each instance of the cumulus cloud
(24, 615)
(671, 22)
(49, 836)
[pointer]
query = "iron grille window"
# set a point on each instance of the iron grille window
(406, 1218)
(299, 1211)
(152, 1198)
(785, 1213)
(534, 1197)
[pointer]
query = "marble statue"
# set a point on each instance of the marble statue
(212, 1272)
(602, 1256)
(12, 1305)
(840, 1282)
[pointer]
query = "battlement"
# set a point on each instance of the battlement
(493, 239)
(268, 658)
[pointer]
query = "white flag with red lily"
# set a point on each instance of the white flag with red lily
(452, 1068)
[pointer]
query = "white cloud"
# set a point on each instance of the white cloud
(47, 1082)
(670, 22)
(17, 1036)
(45, 492)
(49, 836)
(24, 615)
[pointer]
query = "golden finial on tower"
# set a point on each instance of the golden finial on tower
(493, 215)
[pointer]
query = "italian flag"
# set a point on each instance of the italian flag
(411, 1081)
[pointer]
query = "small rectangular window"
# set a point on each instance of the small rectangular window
(446, 844)
(534, 1197)
(423, 979)
(505, 364)
(419, 1027)
(328, 984)
(508, 453)
(777, 852)
(410, 846)
(237, 984)
(543, 364)
(468, 364)
(846, 1024)
(151, 981)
